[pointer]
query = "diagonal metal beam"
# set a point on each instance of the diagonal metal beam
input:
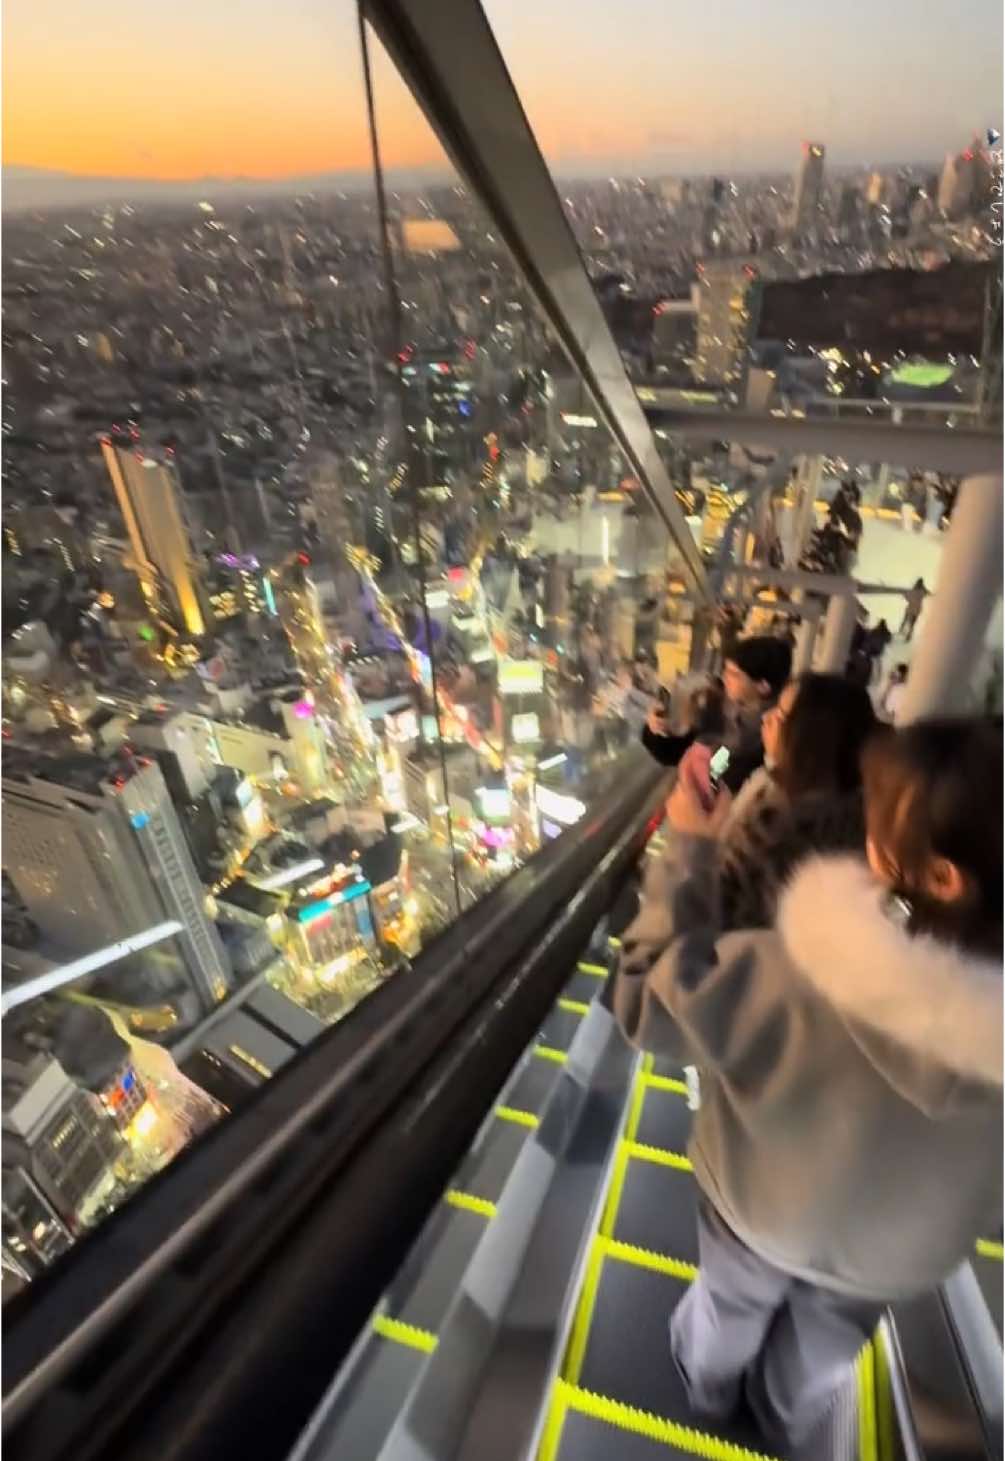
(447, 54)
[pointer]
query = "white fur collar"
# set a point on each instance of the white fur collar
(937, 1002)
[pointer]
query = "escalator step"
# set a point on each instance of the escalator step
(627, 1354)
(595, 1428)
(658, 1210)
(559, 1028)
(368, 1405)
(582, 986)
(665, 1120)
(534, 1083)
(586, 1439)
(486, 1167)
(424, 1287)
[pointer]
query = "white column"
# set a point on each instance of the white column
(809, 478)
(839, 626)
(968, 585)
(806, 638)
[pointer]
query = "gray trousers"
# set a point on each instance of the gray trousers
(745, 1325)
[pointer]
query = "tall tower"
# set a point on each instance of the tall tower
(97, 854)
(149, 498)
(809, 187)
(727, 304)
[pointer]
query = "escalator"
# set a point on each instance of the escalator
(455, 1226)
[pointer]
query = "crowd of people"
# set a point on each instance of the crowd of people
(821, 940)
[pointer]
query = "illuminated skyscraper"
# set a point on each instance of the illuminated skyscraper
(809, 187)
(97, 854)
(150, 500)
(726, 306)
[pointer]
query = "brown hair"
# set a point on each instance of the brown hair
(820, 740)
(935, 790)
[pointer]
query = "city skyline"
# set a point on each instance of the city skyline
(223, 105)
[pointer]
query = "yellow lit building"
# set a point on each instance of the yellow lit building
(149, 498)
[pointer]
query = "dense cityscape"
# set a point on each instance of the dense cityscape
(328, 600)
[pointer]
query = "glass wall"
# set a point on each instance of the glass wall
(328, 599)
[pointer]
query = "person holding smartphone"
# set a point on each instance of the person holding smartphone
(847, 1145)
(755, 671)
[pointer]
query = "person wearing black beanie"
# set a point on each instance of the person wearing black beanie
(754, 675)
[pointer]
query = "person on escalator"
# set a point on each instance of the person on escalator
(806, 798)
(754, 673)
(846, 1148)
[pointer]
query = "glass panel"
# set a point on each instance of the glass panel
(530, 549)
(770, 266)
(206, 848)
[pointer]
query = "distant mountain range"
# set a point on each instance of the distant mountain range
(35, 188)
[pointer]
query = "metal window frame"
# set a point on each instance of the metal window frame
(449, 59)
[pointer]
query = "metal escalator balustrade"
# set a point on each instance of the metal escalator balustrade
(386, 1363)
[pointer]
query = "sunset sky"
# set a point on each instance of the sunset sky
(268, 88)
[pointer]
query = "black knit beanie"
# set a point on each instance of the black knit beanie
(763, 658)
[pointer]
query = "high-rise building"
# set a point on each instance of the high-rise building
(849, 212)
(150, 499)
(727, 301)
(965, 182)
(809, 188)
(61, 1139)
(97, 854)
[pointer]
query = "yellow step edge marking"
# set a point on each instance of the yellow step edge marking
(573, 1006)
(885, 1414)
(599, 971)
(619, 1171)
(551, 1435)
(635, 1108)
(614, 943)
(987, 1249)
(656, 1154)
(519, 1118)
(580, 1332)
(646, 1258)
(402, 1333)
(865, 1377)
(550, 1052)
(653, 1427)
(666, 1083)
(468, 1202)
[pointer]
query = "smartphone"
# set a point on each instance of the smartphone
(717, 767)
(696, 767)
(664, 698)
